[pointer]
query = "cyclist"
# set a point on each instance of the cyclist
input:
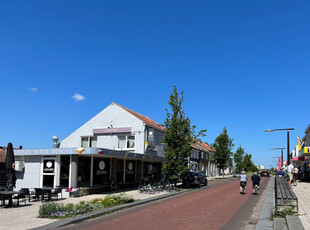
(255, 181)
(243, 178)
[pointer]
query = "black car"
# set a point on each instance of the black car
(264, 173)
(195, 179)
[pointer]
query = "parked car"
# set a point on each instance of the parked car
(195, 179)
(264, 173)
(237, 174)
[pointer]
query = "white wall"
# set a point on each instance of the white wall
(114, 115)
(31, 176)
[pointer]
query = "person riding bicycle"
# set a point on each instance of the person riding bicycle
(255, 180)
(243, 178)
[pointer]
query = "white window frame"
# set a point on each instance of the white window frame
(126, 136)
(89, 141)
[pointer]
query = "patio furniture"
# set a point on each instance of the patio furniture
(39, 192)
(7, 195)
(20, 196)
(28, 193)
(56, 191)
(2, 200)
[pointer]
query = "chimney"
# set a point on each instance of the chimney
(55, 141)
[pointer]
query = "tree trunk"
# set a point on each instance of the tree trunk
(223, 173)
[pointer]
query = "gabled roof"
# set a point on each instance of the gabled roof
(206, 146)
(143, 118)
(194, 147)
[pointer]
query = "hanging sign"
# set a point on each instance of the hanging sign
(306, 149)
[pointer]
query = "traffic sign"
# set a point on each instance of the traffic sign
(306, 149)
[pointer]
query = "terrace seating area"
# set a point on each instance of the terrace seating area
(15, 198)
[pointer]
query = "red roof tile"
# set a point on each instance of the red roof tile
(206, 146)
(143, 118)
(194, 146)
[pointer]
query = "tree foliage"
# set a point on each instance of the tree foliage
(178, 137)
(243, 161)
(222, 145)
(238, 158)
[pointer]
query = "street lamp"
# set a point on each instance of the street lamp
(281, 154)
(288, 140)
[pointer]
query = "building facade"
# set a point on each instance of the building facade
(116, 146)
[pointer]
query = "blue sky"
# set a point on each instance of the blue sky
(241, 64)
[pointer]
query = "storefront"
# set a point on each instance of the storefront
(92, 168)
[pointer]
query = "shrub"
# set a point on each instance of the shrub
(59, 210)
(56, 210)
(83, 207)
(282, 214)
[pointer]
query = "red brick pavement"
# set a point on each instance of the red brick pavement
(206, 209)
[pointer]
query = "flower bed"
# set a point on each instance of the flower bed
(56, 210)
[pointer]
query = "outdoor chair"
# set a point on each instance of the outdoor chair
(39, 192)
(20, 196)
(2, 200)
(56, 191)
(28, 193)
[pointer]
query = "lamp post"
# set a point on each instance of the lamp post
(288, 140)
(281, 154)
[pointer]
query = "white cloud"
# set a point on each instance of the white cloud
(33, 89)
(78, 97)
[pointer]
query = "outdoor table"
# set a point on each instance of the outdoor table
(9, 194)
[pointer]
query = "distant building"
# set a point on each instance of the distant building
(260, 167)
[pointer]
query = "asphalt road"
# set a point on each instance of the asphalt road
(219, 206)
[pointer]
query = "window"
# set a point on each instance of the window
(126, 142)
(93, 142)
(84, 142)
(89, 142)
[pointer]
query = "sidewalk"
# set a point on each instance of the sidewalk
(268, 205)
(302, 191)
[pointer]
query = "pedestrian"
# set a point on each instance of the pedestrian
(296, 173)
(255, 181)
(243, 178)
(290, 171)
(280, 173)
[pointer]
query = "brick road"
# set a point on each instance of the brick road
(207, 208)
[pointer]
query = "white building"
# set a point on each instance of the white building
(116, 145)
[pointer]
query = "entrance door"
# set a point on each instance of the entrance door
(48, 172)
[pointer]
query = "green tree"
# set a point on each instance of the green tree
(238, 158)
(178, 137)
(248, 164)
(222, 146)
